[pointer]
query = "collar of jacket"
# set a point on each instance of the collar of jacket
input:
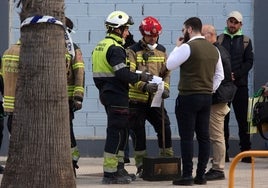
(115, 37)
(143, 44)
(238, 33)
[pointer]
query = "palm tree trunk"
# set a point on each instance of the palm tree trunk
(39, 152)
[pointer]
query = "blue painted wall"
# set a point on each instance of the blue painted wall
(88, 17)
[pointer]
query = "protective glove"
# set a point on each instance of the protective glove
(164, 72)
(77, 105)
(165, 94)
(145, 77)
(151, 88)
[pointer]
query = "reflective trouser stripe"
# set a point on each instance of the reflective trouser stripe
(120, 156)
(138, 156)
(110, 162)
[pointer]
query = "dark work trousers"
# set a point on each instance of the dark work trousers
(9, 121)
(73, 140)
(1, 129)
(139, 113)
(1, 122)
(240, 106)
(192, 113)
(117, 129)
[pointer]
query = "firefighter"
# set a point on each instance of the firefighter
(111, 77)
(1, 114)
(9, 71)
(150, 56)
(75, 86)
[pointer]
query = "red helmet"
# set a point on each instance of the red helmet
(150, 26)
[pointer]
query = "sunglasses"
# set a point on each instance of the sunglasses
(234, 21)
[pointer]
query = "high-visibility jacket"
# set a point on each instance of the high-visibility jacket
(110, 72)
(9, 71)
(144, 59)
(75, 75)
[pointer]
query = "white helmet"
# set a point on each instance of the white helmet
(117, 19)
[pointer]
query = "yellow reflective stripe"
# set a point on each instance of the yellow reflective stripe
(79, 89)
(73, 89)
(9, 98)
(110, 162)
(68, 56)
(10, 57)
(78, 65)
(70, 90)
(166, 85)
(152, 59)
(137, 95)
(132, 66)
(9, 102)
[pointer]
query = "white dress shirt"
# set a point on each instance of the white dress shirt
(180, 54)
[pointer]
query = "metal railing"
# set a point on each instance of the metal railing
(237, 158)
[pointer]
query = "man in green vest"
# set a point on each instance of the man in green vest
(201, 73)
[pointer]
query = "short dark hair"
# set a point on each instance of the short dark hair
(195, 23)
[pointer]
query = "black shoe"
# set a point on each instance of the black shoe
(124, 172)
(126, 160)
(246, 160)
(115, 178)
(2, 169)
(184, 181)
(214, 175)
(200, 180)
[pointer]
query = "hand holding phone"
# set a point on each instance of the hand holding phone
(180, 41)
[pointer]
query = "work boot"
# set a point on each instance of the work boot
(75, 156)
(140, 172)
(122, 171)
(2, 169)
(115, 178)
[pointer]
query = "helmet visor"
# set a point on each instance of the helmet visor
(130, 21)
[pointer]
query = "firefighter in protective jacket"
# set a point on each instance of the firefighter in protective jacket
(75, 87)
(112, 76)
(9, 71)
(150, 56)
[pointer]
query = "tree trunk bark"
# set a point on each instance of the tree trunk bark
(39, 151)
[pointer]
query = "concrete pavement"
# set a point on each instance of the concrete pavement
(90, 175)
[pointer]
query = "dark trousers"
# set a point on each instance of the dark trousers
(71, 116)
(240, 106)
(9, 122)
(1, 122)
(192, 113)
(139, 113)
(117, 129)
(1, 130)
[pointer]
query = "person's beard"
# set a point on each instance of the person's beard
(232, 30)
(186, 36)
